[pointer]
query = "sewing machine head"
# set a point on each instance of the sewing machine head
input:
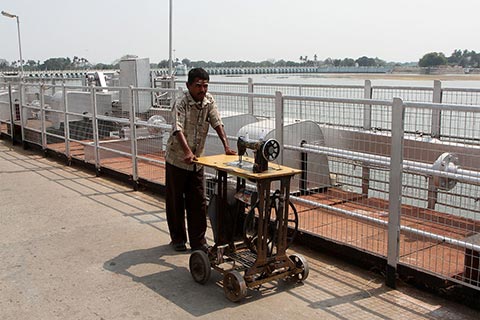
(264, 151)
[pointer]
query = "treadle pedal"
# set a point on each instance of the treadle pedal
(245, 257)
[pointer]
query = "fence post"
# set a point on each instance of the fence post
(395, 191)
(367, 109)
(133, 138)
(279, 108)
(96, 151)
(367, 125)
(42, 117)
(436, 128)
(66, 124)
(436, 113)
(250, 97)
(23, 121)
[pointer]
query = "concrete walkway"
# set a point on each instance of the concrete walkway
(76, 246)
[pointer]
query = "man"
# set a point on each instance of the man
(192, 115)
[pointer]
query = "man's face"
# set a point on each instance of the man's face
(198, 89)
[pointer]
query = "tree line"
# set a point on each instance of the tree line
(463, 58)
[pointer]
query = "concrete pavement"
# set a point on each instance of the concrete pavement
(76, 246)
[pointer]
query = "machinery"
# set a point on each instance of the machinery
(264, 151)
(259, 256)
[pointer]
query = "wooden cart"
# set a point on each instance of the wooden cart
(261, 255)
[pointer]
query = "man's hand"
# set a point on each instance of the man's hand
(229, 151)
(189, 158)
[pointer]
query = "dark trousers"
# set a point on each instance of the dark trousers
(185, 192)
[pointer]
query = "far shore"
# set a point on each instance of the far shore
(406, 76)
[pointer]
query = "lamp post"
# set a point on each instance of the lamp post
(170, 62)
(9, 15)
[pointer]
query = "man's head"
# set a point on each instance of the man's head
(197, 83)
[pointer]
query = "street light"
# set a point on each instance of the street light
(9, 15)
(170, 62)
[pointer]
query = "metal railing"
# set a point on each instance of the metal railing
(392, 178)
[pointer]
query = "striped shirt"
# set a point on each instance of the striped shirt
(193, 119)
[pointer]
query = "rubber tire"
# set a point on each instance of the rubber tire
(199, 265)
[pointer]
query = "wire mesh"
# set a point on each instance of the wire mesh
(341, 91)
(461, 96)
(416, 94)
(6, 111)
(343, 147)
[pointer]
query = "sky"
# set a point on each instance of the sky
(230, 30)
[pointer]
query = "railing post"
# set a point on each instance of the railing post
(436, 128)
(395, 190)
(303, 185)
(133, 137)
(279, 121)
(250, 98)
(42, 117)
(367, 110)
(66, 124)
(436, 113)
(23, 121)
(367, 125)
(96, 150)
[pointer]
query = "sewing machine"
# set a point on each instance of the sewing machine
(264, 151)
(261, 256)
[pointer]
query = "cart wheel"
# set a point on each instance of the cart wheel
(234, 286)
(300, 263)
(199, 266)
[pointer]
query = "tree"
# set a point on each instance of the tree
(163, 64)
(103, 66)
(186, 62)
(465, 58)
(433, 59)
(348, 62)
(57, 64)
(366, 62)
(455, 57)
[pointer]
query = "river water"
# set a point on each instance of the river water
(448, 81)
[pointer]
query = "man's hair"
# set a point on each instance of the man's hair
(197, 73)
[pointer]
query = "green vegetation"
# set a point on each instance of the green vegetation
(432, 59)
(462, 58)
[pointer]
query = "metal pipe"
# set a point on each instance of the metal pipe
(395, 190)
(43, 117)
(462, 175)
(66, 124)
(93, 97)
(133, 137)
(279, 123)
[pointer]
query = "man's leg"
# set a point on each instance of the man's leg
(175, 179)
(196, 209)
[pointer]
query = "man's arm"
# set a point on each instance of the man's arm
(223, 137)
(189, 156)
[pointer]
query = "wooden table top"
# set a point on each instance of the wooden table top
(230, 164)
